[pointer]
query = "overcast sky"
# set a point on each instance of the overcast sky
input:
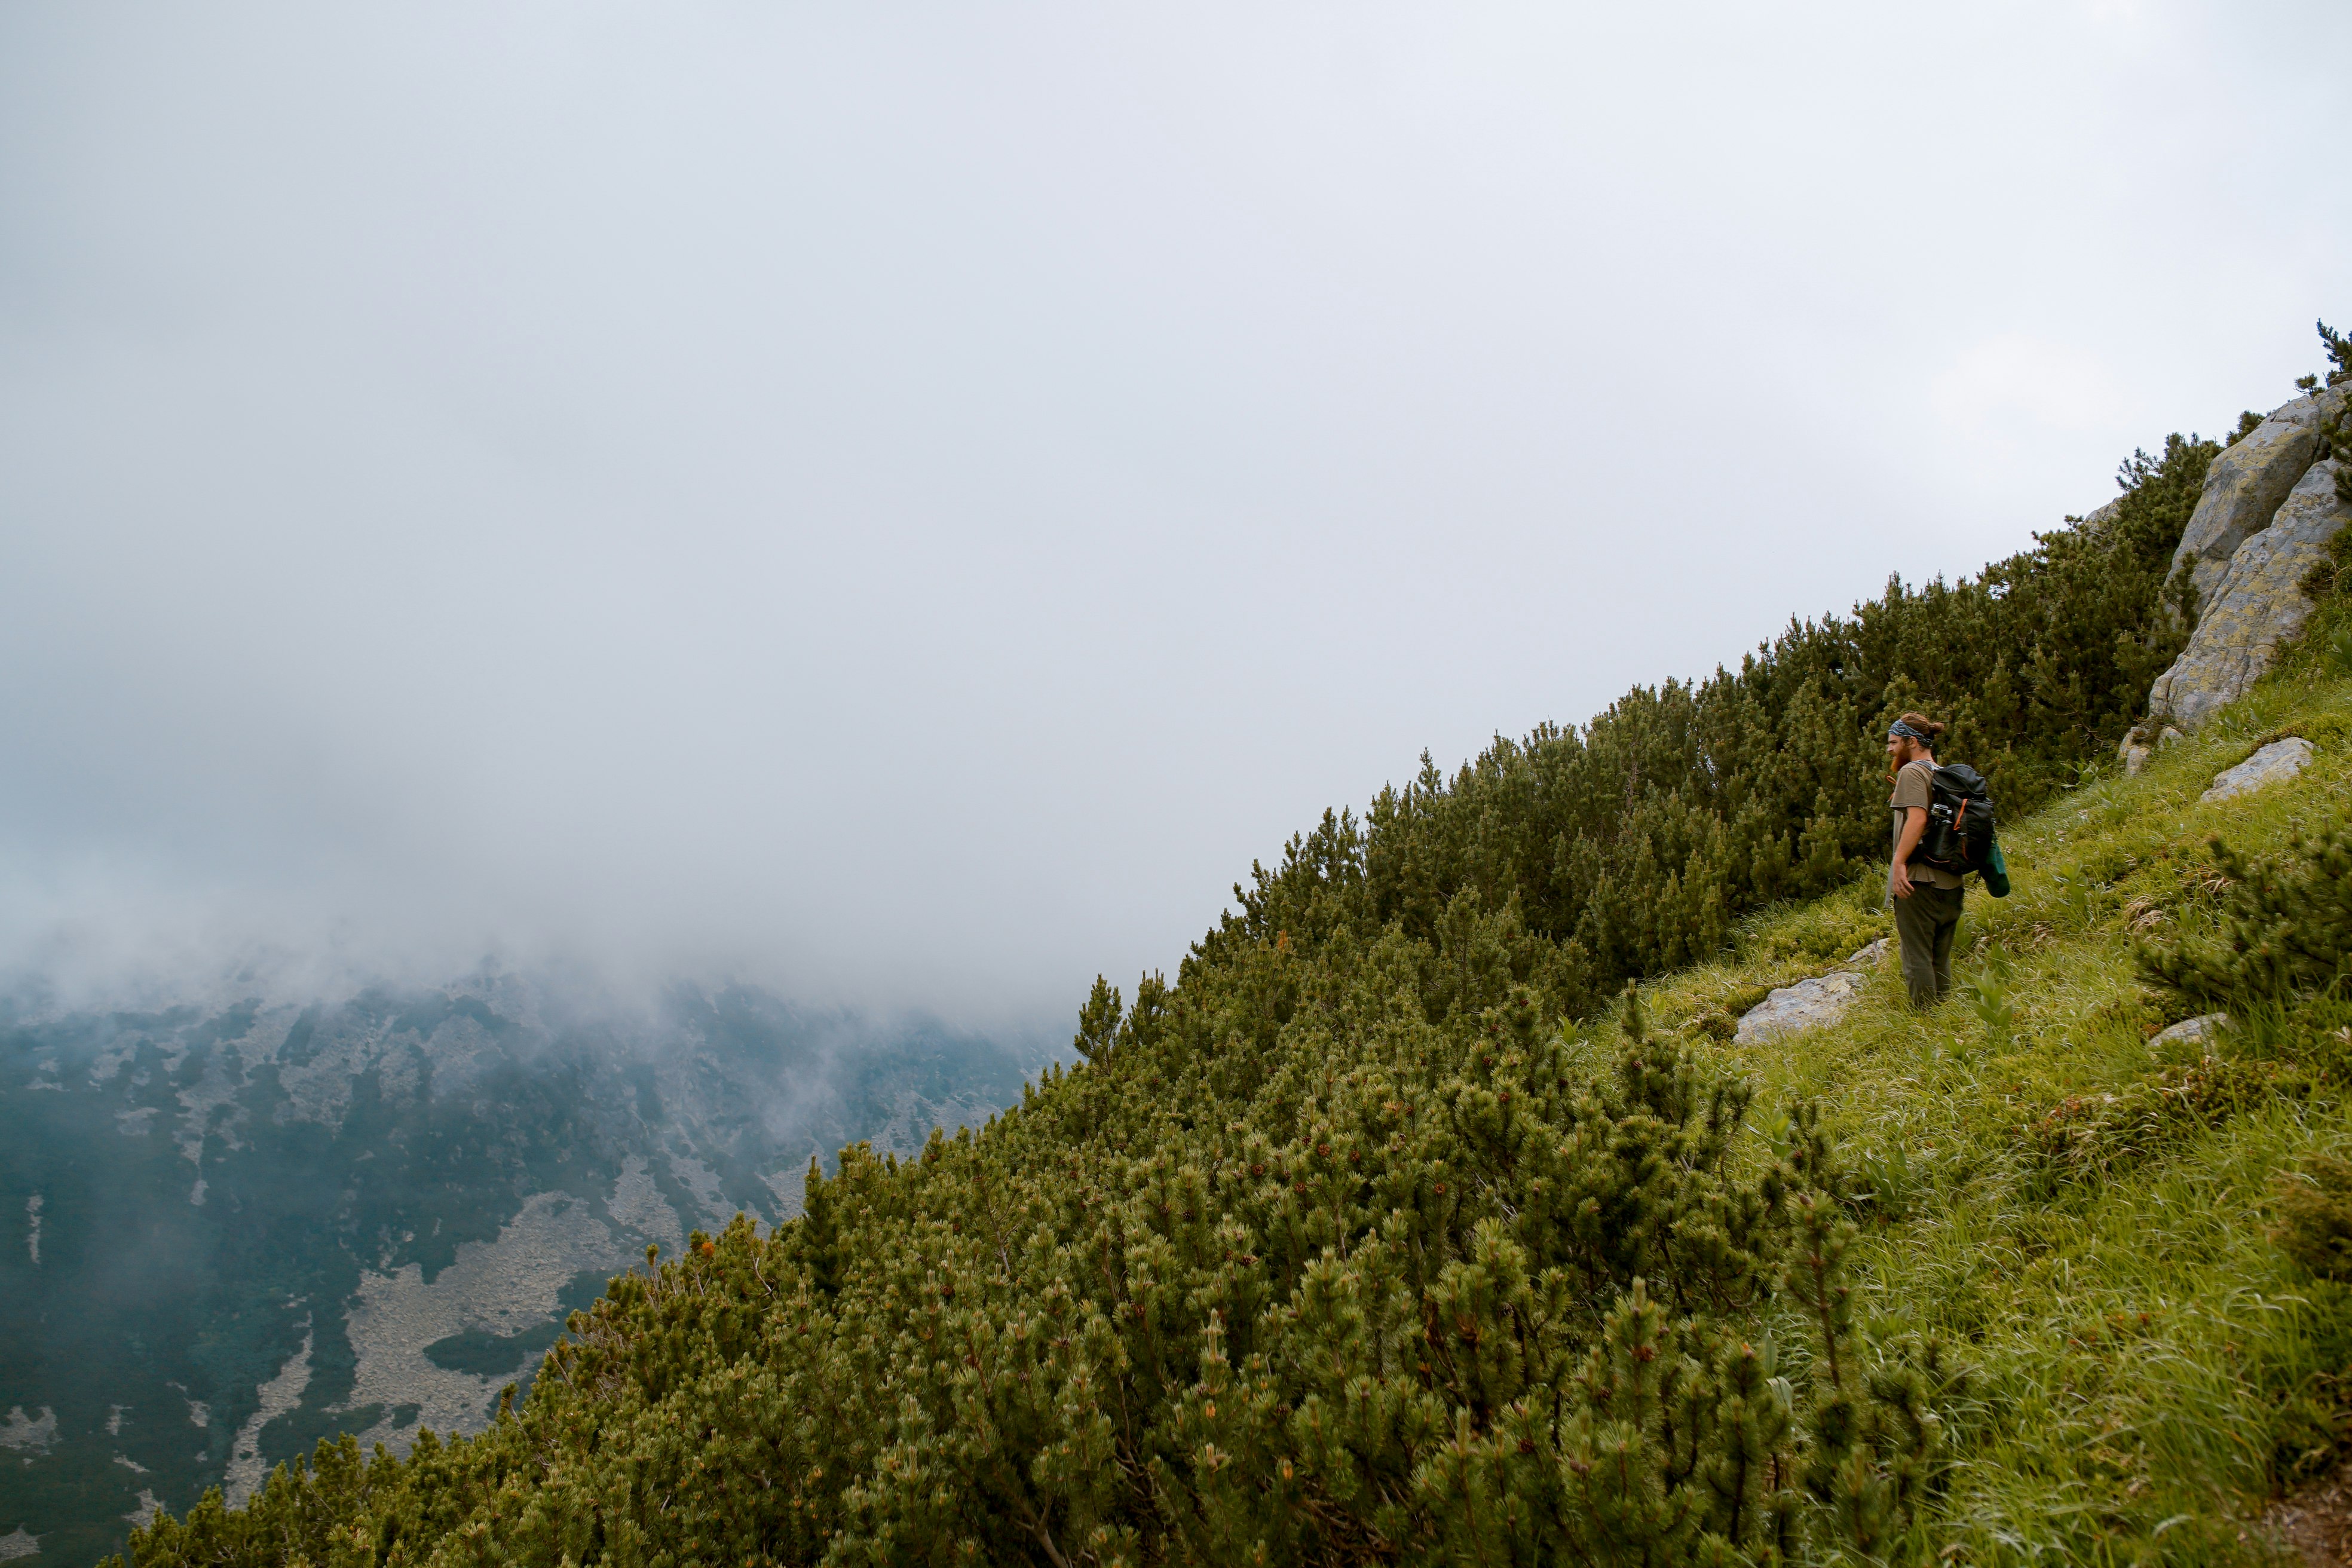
(906, 503)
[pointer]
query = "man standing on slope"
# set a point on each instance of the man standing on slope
(1927, 898)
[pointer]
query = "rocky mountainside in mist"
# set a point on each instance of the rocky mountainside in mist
(233, 1230)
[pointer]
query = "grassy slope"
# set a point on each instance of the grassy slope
(2148, 1367)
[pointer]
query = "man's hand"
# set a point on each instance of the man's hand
(1898, 875)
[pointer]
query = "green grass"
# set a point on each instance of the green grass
(2082, 1212)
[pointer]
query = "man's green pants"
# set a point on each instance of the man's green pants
(1926, 922)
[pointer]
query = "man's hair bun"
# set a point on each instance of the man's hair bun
(1924, 725)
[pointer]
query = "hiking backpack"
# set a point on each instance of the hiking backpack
(1959, 837)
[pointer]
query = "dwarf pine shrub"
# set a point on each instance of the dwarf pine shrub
(2096, 1134)
(2285, 929)
(1630, 845)
(2313, 1204)
(1398, 1290)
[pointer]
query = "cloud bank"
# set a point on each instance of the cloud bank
(904, 505)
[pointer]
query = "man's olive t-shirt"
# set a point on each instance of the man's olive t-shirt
(1911, 790)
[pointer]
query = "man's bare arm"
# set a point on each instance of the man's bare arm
(1915, 827)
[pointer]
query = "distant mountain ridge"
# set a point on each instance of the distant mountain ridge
(241, 1227)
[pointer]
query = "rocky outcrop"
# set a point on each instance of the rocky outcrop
(2246, 484)
(2273, 763)
(2266, 514)
(2255, 605)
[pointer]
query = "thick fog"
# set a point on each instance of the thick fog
(903, 503)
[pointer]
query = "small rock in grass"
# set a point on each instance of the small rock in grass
(2193, 1030)
(2279, 760)
(1866, 959)
(2136, 747)
(1807, 1004)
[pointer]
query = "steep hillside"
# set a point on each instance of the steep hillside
(2079, 1201)
(1371, 1291)
(236, 1228)
(1393, 1230)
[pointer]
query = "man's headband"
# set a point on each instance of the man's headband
(1900, 728)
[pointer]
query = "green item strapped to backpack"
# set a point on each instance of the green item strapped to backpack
(1996, 872)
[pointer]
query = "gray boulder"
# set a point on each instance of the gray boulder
(2200, 1030)
(2273, 763)
(1807, 1004)
(2254, 606)
(2245, 484)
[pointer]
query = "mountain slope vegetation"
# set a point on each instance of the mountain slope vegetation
(1394, 1230)
(235, 1226)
